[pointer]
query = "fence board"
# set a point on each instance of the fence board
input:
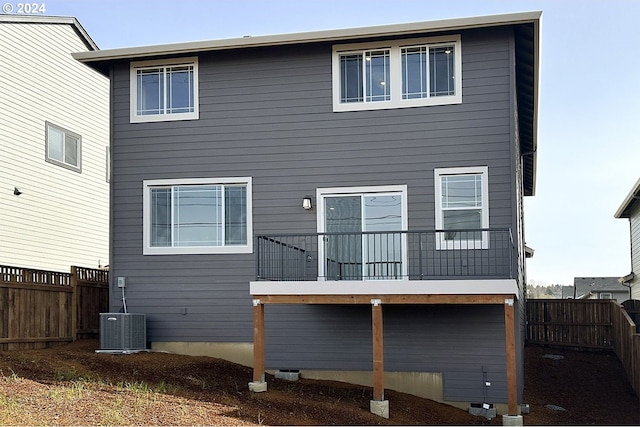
(587, 324)
(574, 323)
(39, 308)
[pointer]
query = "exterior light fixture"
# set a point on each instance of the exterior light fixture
(16, 191)
(306, 203)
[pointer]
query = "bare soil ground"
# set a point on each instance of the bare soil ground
(72, 385)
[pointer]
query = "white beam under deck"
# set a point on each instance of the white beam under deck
(385, 287)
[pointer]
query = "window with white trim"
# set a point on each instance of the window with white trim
(606, 295)
(164, 90)
(63, 147)
(197, 216)
(462, 207)
(402, 73)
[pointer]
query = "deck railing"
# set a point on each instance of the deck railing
(388, 255)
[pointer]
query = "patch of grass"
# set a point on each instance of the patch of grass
(12, 377)
(75, 391)
(142, 387)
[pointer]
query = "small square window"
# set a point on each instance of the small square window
(63, 147)
(164, 90)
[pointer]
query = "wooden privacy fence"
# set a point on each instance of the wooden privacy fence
(39, 308)
(570, 322)
(587, 324)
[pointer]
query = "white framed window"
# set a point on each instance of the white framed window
(606, 295)
(397, 74)
(63, 147)
(164, 90)
(364, 239)
(197, 216)
(462, 207)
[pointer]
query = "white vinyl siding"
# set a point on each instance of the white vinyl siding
(61, 217)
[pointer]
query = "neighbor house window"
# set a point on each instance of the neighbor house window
(63, 147)
(462, 207)
(197, 216)
(164, 90)
(606, 295)
(402, 73)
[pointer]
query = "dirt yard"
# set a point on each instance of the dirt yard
(72, 385)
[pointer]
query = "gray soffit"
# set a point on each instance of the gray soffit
(629, 202)
(52, 20)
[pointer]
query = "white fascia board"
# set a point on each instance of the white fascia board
(385, 287)
(631, 198)
(43, 19)
(309, 37)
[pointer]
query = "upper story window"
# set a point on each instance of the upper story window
(462, 207)
(402, 73)
(164, 90)
(63, 147)
(197, 216)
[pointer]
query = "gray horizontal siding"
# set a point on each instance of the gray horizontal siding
(459, 341)
(268, 114)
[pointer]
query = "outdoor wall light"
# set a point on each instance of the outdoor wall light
(306, 202)
(16, 191)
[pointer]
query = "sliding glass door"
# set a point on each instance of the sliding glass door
(362, 237)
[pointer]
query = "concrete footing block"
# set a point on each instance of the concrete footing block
(379, 408)
(258, 386)
(512, 420)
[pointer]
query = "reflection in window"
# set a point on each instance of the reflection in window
(374, 86)
(63, 147)
(427, 72)
(165, 90)
(198, 215)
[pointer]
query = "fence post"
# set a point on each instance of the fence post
(74, 303)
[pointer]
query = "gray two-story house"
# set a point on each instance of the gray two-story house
(347, 204)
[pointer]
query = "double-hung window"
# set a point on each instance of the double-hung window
(63, 147)
(164, 90)
(402, 73)
(462, 207)
(194, 216)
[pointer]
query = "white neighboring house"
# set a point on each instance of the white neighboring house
(630, 208)
(54, 145)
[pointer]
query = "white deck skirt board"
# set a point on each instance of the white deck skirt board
(385, 287)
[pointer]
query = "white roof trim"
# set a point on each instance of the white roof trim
(309, 37)
(628, 200)
(64, 20)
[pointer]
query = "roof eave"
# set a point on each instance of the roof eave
(629, 201)
(64, 20)
(307, 37)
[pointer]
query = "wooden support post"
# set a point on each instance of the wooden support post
(510, 340)
(258, 341)
(74, 303)
(378, 353)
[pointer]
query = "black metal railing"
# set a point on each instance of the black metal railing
(389, 255)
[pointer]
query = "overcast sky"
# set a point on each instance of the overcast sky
(589, 110)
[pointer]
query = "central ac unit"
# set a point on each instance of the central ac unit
(123, 332)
